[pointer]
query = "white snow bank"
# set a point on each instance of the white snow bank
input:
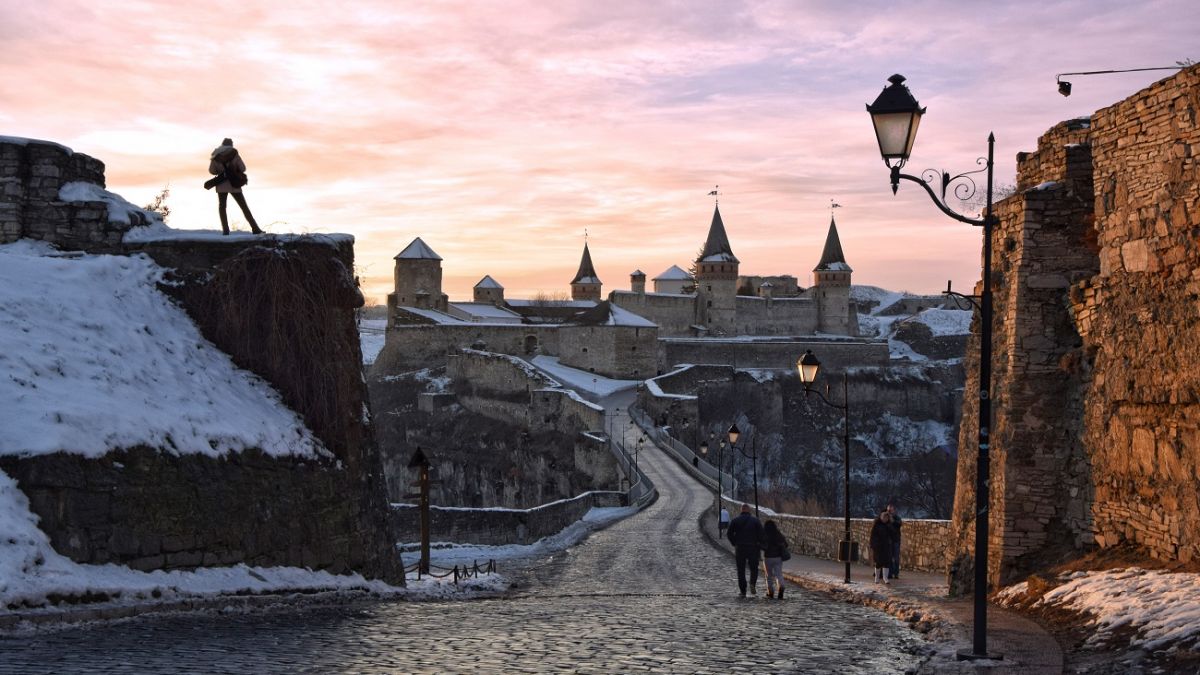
(1162, 607)
(947, 321)
(372, 334)
(96, 358)
(119, 210)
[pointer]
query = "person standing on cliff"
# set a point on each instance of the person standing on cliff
(745, 533)
(897, 523)
(227, 164)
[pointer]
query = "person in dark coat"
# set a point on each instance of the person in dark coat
(897, 523)
(226, 161)
(745, 533)
(773, 546)
(881, 546)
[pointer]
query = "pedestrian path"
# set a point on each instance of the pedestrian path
(922, 598)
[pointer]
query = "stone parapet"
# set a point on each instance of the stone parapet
(497, 526)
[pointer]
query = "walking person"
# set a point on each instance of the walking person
(745, 533)
(722, 522)
(774, 546)
(881, 546)
(897, 523)
(226, 163)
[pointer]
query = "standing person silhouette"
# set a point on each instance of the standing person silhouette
(745, 533)
(226, 162)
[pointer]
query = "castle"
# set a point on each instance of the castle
(622, 336)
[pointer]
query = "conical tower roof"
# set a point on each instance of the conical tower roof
(586, 273)
(716, 247)
(832, 257)
(418, 250)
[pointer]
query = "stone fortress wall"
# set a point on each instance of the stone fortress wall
(674, 314)
(152, 509)
(1096, 436)
(777, 353)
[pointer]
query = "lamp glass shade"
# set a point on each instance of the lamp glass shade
(808, 366)
(734, 432)
(704, 449)
(896, 116)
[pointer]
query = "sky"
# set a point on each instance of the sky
(501, 132)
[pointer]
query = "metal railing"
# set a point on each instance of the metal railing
(698, 466)
(642, 491)
(458, 572)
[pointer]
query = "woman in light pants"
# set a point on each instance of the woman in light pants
(773, 545)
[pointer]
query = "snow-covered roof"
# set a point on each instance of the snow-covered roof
(488, 282)
(637, 273)
(485, 310)
(622, 317)
(552, 303)
(418, 250)
(674, 273)
(433, 315)
(586, 280)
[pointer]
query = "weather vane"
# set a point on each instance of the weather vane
(833, 205)
(716, 193)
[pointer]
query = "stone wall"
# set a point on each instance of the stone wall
(925, 545)
(674, 314)
(621, 352)
(1142, 423)
(1095, 435)
(31, 174)
(778, 354)
(776, 316)
(498, 526)
(283, 309)
(410, 348)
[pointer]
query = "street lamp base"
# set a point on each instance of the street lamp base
(970, 655)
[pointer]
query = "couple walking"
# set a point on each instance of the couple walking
(885, 544)
(750, 538)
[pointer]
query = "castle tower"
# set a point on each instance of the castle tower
(716, 281)
(637, 282)
(418, 278)
(489, 290)
(831, 288)
(586, 285)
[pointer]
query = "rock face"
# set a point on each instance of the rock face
(282, 308)
(1096, 430)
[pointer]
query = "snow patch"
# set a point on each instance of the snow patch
(119, 210)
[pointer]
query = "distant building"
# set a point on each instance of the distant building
(674, 281)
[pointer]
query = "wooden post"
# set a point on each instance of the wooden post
(420, 462)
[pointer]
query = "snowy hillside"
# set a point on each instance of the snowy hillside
(96, 358)
(880, 316)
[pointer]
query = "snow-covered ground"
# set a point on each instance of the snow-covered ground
(96, 358)
(371, 335)
(581, 380)
(941, 322)
(1162, 608)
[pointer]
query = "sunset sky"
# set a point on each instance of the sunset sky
(499, 132)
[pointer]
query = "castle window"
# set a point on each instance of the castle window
(585, 350)
(710, 303)
(710, 291)
(634, 348)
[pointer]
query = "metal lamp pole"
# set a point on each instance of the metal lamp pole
(734, 433)
(896, 116)
(808, 366)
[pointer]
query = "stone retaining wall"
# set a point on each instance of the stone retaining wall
(780, 354)
(925, 545)
(498, 526)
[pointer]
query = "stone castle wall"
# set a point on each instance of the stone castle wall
(494, 526)
(775, 316)
(621, 352)
(674, 314)
(427, 346)
(779, 354)
(31, 174)
(1096, 430)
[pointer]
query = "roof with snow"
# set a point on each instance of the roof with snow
(832, 258)
(484, 310)
(418, 250)
(716, 247)
(637, 273)
(586, 273)
(488, 282)
(674, 273)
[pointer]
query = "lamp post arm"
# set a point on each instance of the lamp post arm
(826, 401)
(896, 176)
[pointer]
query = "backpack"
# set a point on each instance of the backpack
(236, 178)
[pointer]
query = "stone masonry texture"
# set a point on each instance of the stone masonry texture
(1096, 370)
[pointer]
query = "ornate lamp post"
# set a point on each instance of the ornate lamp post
(896, 115)
(808, 366)
(734, 433)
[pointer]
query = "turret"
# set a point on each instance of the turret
(586, 285)
(489, 290)
(637, 282)
(716, 280)
(831, 288)
(418, 278)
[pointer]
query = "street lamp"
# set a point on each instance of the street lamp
(888, 113)
(734, 433)
(704, 453)
(808, 366)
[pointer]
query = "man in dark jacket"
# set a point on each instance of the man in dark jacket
(745, 533)
(896, 525)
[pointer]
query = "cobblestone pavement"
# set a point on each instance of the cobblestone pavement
(648, 594)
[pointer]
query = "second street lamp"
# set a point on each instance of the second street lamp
(808, 366)
(889, 113)
(734, 434)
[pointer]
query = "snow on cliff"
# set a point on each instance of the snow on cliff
(96, 358)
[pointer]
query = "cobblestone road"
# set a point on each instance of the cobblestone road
(648, 594)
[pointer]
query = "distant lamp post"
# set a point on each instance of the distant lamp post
(704, 453)
(637, 451)
(808, 367)
(896, 138)
(734, 434)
